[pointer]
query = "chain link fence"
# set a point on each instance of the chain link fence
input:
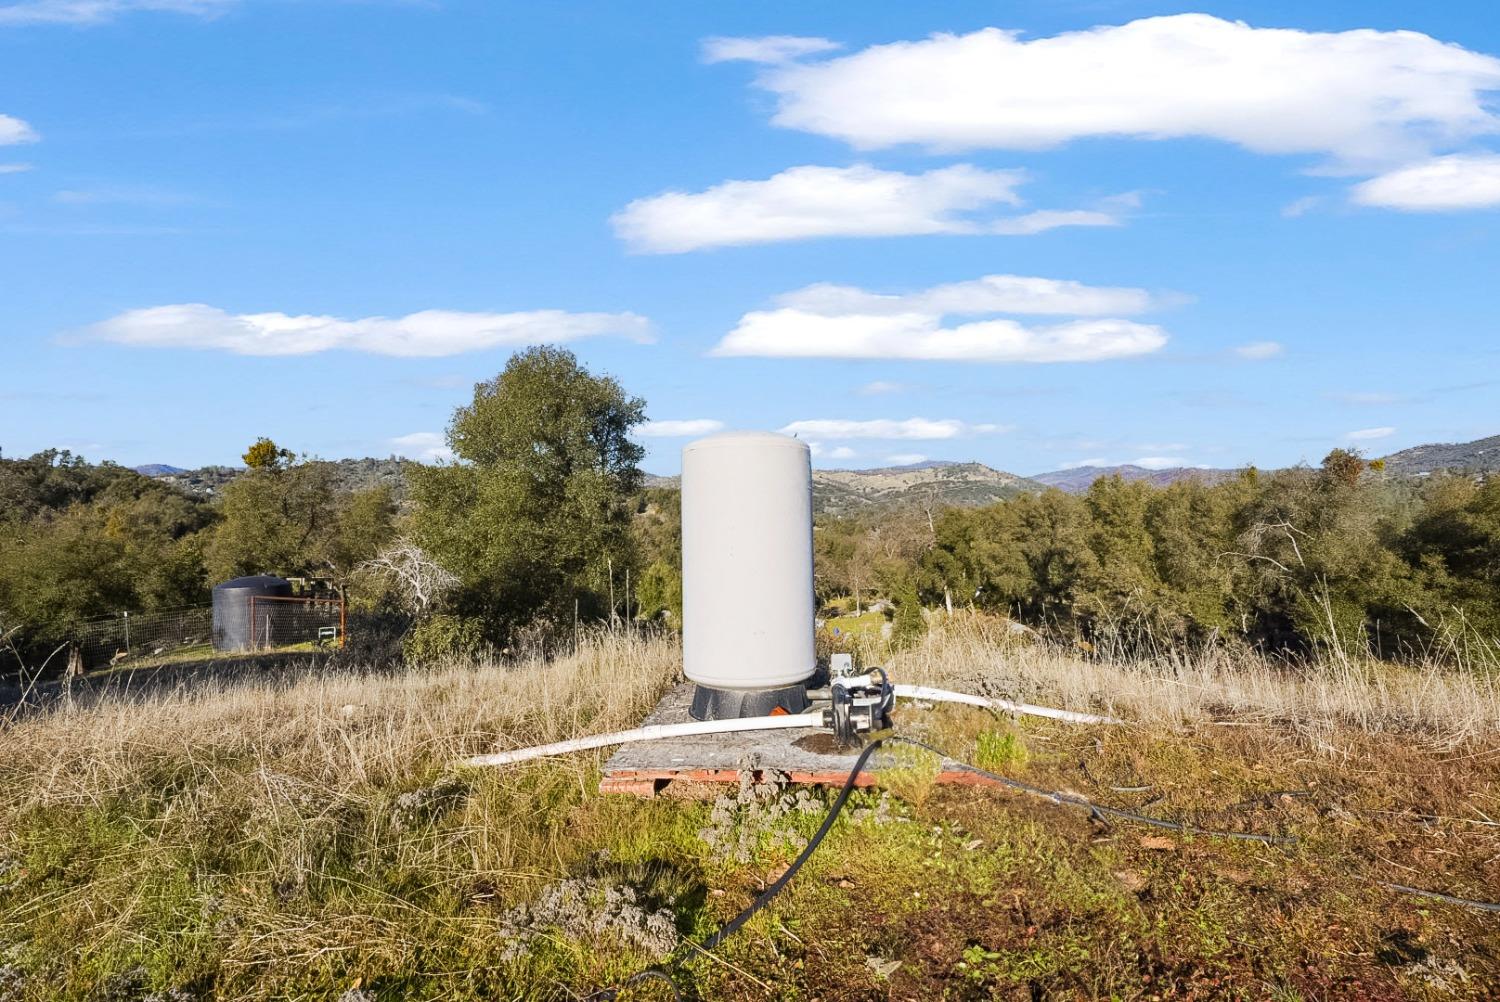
(274, 623)
(105, 642)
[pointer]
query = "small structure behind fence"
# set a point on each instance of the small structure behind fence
(275, 622)
(281, 621)
(232, 614)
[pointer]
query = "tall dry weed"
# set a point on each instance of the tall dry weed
(1431, 697)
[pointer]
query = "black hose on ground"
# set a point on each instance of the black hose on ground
(1484, 906)
(681, 954)
(1072, 800)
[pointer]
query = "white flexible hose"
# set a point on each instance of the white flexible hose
(781, 721)
(944, 696)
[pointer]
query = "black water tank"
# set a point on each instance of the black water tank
(232, 627)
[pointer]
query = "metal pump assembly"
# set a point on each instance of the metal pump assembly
(857, 704)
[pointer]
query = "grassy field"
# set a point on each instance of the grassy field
(309, 839)
(866, 625)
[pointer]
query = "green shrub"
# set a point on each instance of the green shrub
(443, 637)
(908, 625)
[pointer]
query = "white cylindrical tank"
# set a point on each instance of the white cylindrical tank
(747, 565)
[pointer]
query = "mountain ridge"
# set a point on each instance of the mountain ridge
(1078, 479)
(931, 482)
(1479, 456)
(937, 482)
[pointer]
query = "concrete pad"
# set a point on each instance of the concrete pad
(701, 762)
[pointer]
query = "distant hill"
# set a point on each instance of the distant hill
(1080, 478)
(842, 492)
(933, 483)
(1481, 456)
(349, 474)
(930, 483)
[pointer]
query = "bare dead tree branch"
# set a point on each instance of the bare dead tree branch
(1254, 556)
(419, 580)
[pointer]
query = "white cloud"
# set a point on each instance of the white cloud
(880, 387)
(906, 458)
(1159, 462)
(1359, 97)
(1033, 223)
(679, 429)
(990, 294)
(84, 12)
(1259, 350)
(840, 321)
(14, 131)
(14, 168)
(912, 428)
(821, 451)
(1367, 434)
(428, 333)
(770, 49)
(843, 321)
(1442, 184)
(788, 333)
(427, 446)
(804, 202)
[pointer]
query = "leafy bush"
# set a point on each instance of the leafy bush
(443, 638)
(908, 624)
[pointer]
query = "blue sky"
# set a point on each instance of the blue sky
(1031, 234)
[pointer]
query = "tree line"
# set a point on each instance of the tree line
(1293, 561)
(542, 524)
(531, 530)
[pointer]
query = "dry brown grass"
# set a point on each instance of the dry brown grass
(270, 840)
(245, 839)
(341, 729)
(353, 728)
(1441, 704)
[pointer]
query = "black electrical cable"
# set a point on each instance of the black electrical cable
(774, 888)
(649, 974)
(776, 885)
(1058, 797)
(1071, 800)
(1484, 906)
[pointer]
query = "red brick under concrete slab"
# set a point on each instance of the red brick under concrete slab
(804, 755)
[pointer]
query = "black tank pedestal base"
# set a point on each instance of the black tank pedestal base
(731, 704)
